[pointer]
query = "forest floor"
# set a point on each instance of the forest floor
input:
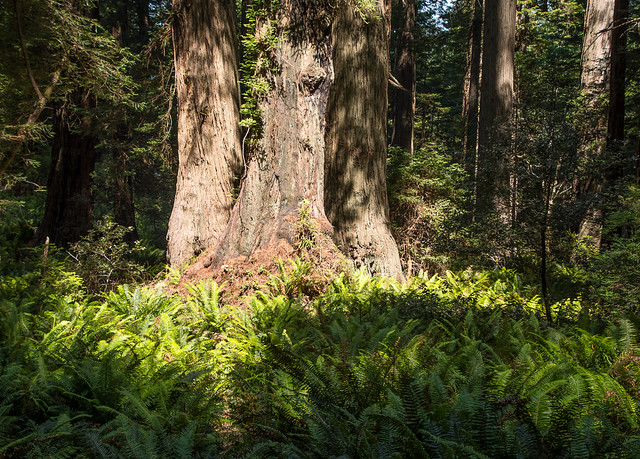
(242, 277)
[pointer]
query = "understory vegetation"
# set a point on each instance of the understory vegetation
(462, 364)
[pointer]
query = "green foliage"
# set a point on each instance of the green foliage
(104, 259)
(16, 226)
(258, 40)
(67, 52)
(293, 278)
(367, 9)
(614, 274)
(461, 364)
(426, 202)
(305, 227)
(453, 366)
(480, 383)
(539, 148)
(132, 83)
(127, 364)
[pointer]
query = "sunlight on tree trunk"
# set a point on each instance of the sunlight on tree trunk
(596, 79)
(208, 125)
(287, 170)
(496, 106)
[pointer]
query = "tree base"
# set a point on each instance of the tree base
(245, 275)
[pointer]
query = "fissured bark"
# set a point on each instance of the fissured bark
(355, 192)
(209, 148)
(286, 169)
(496, 106)
(596, 79)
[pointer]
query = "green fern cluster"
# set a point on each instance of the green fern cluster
(503, 288)
(363, 376)
(369, 368)
(122, 377)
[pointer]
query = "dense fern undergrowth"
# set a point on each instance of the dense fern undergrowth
(460, 365)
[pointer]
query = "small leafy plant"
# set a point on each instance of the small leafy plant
(103, 258)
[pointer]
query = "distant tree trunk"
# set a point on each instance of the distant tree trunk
(405, 73)
(471, 94)
(596, 69)
(68, 213)
(615, 126)
(209, 150)
(122, 181)
(120, 29)
(287, 170)
(355, 192)
(142, 20)
(121, 178)
(496, 105)
(596, 49)
(615, 170)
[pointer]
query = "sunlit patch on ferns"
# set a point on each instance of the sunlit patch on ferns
(369, 368)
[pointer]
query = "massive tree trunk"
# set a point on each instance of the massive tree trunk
(287, 170)
(68, 213)
(596, 49)
(496, 105)
(209, 148)
(355, 191)
(471, 94)
(405, 73)
(596, 69)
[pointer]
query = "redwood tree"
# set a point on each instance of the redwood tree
(121, 177)
(209, 148)
(122, 182)
(313, 124)
(355, 191)
(496, 103)
(602, 82)
(286, 170)
(615, 125)
(404, 100)
(68, 213)
(471, 94)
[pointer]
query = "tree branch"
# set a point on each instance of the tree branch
(22, 134)
(24, 52)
